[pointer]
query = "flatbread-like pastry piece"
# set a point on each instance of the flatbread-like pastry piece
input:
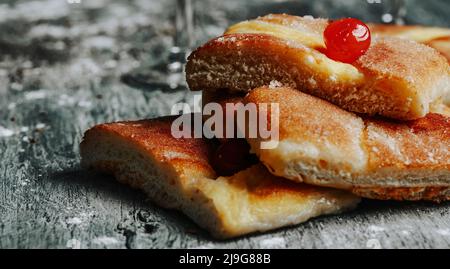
(324, 145)
(396, 78)
(176, 174)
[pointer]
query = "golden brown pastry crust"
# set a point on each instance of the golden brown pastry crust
(395, 78)
(442, 45)
(175, 173)
(435, 194)
(437, 38)
(324, 145)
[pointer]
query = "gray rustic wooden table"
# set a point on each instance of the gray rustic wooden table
(60, 73)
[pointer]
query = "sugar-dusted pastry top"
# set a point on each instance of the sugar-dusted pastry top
(417, 33)
(435, 37)
(176, 173)
(323, 144)
(396, 78)
(442, 45)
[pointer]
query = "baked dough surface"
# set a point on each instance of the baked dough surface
(396, 78)
(175, 173)
(322, 144)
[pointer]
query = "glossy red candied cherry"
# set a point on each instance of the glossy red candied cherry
(347, 40)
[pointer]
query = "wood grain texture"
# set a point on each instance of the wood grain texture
(60, 74)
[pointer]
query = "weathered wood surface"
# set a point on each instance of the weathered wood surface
(59, 74)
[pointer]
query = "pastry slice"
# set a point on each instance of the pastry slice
(396, 78)
(435, 37)
(176, 174)
(322, 144)
(442, 45)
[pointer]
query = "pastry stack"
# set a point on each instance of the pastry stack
(377, 127)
